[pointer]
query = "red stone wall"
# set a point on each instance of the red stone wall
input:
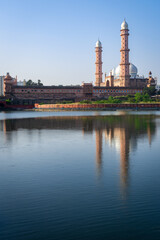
(87, 91)
(98, 106)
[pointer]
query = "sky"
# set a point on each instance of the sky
(54, 41)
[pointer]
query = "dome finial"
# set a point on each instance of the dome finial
(98, 43)
(124, 25)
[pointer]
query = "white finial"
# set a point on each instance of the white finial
(124, 25)
(98, 43)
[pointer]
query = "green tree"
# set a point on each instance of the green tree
(29, 82)
(146, 97)
(131, 100)
(110, 99)
(138, 97)
(39, 83)
(150, 90)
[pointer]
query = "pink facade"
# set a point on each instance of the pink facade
(8, 83)
(98, 74)
(126, 73)
(124, 64)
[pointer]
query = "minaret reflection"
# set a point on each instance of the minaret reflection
(149, 133)
(120, 137)
(124, 158)
(114, 134)
(99, 137)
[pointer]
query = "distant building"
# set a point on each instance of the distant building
(21, 83)
(8, 83)
(1, 85)
(158, 87)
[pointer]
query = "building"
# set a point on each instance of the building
(21, 83)
(158, 87)
(1, 85)
(8, 84)
(123, 80)
(126, 73)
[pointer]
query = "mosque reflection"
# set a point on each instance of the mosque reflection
(122, 132)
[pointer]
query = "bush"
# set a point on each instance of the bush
(110, 99)
(117, 101)
(146, 97)
(150, 90)
(131, 100)
(66, 102)
(85, 101)
(138, 97)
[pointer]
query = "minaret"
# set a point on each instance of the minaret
(124, 65)
(98, 50)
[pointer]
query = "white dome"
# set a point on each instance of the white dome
(132, 71)
(117, 71)
(124, 25)
(112, 72)
(98, 44)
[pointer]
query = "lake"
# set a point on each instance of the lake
(79, 175)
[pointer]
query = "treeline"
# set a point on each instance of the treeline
(31, 83)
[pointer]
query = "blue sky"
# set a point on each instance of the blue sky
(54, 40)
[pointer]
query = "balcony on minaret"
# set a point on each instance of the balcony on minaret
(98, 63)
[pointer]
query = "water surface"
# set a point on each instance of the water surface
(79, 175)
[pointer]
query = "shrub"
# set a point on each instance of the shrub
(85, 101)
(138, 97)
(146, 97)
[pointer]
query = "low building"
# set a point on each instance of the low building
(21, 83)
(59, 93)
(1, 85)
(158, 87)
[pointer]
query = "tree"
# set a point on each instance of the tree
(150, 90)
(39, 83)
(138, 97)
(131, 100)
(110, 99)
(146, 97)
(29, 82)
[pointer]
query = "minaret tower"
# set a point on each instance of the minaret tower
(98, 50)
(124, 65)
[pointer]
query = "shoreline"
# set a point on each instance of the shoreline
(84, 107)
(97, 107)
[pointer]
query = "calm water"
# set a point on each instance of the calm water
(79, 175)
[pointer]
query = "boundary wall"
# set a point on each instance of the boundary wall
(110, 106)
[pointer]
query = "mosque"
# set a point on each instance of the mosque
(126, 73)
(121, 81)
